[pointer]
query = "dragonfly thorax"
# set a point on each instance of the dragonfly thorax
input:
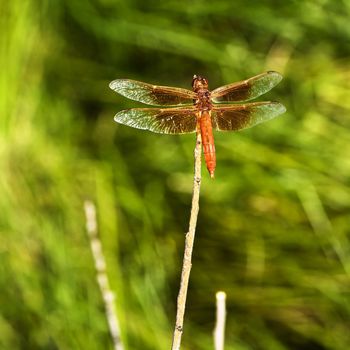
(203, 101)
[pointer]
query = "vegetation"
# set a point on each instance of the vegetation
(273, 227)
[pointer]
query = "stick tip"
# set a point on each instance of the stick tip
(220, 295)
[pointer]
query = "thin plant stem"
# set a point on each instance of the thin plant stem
(187, 260)
(219, 331)
(101, 274)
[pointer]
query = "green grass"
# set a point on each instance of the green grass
(273, 229)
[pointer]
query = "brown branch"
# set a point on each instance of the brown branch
(187, 264)
(102, 278)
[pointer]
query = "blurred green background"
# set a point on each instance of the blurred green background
(273, 227)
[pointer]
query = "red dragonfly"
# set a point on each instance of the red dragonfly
(199, 110)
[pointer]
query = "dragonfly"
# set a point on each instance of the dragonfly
(180, 111)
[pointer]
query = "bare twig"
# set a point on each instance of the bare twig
(102, 278)
(187, 264)
(219, 331)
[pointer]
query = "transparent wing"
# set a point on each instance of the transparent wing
(247, 89)
(179, 120)
(152, 94)
(237, 117)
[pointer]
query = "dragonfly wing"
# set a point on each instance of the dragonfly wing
(237, 117)
(179, 120)
(247, 89)
(152, 94)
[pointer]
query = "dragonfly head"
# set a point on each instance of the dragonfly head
(199, 82)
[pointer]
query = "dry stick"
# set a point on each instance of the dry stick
(187, 264)
(102, 278)
(219, 331)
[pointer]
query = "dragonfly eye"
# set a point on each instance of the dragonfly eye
(198, 82)
(194, 80)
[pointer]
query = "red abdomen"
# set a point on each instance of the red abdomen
(208, 142)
